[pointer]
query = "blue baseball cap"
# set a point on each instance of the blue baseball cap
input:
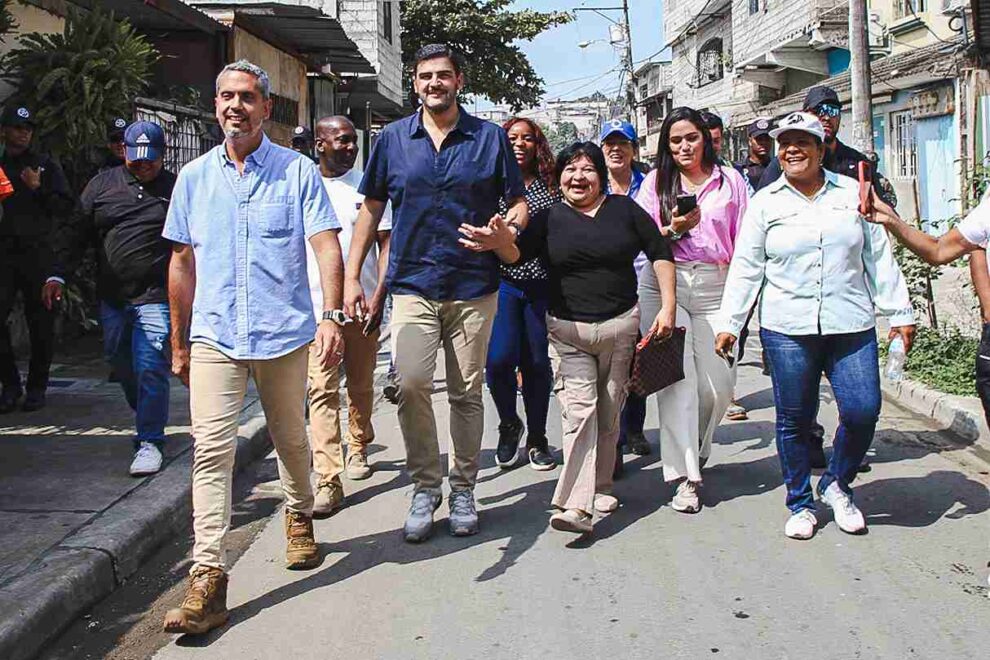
(618, 126)
(144, 140)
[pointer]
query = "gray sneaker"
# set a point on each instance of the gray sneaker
(419, 522)
(463, 515)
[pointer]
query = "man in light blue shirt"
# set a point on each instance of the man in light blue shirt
(240, 217)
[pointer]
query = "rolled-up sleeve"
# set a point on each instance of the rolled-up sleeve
(884, 279)
(176, 227)
(318, 214)
(746, 273)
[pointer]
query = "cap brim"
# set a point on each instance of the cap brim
(143, 153)
(761, 131)
(19, 121)
(777, 132)
(607, 134)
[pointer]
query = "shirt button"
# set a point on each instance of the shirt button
(140, 196)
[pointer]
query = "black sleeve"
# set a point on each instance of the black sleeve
(771, 174)
(532, 241)
(75, 231)
(655, 245)
(56, 194)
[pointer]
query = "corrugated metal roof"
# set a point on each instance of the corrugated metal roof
(157, 14)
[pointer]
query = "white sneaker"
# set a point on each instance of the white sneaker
(847, 516)
(147, 460)
(605, 503)
(686, 498)
(801, 525)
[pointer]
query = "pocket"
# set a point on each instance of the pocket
(275, 218)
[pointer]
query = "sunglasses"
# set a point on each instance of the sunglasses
(828, 111)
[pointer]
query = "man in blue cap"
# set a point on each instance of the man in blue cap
(123, 211)
(620, 143)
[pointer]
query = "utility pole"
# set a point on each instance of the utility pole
(861, 78)
(630, 76)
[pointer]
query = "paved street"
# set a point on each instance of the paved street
(650, 583)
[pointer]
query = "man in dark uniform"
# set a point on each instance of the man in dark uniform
(41, 197)
(123, 211)
(302, 141)
(115, 144)
(760, 149)
(840, 158)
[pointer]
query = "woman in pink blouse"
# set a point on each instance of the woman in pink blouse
(703, 240)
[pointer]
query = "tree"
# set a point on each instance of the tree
(77, 81)
(484, 32)
(562, 135)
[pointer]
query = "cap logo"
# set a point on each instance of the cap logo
(299, 130)
(795, 119)
(119, 123)
(616, 123)
(763, 124)
(23, 113)
(142, 139)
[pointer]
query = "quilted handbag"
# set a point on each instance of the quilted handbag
(657, 363)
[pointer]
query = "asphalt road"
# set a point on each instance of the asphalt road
(650, 583)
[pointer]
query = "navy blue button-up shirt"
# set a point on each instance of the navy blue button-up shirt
(432, 193)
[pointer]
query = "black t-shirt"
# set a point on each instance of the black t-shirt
(125, 218)
(592, 277)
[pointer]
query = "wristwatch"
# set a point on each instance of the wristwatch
(337, 316)
(674, 236)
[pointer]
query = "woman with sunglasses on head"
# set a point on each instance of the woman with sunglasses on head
(699, 206)
(589, 242)
(824, 273)
(519, 333)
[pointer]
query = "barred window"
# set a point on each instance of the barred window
(285, 110)
(710, 66)
(905, 8)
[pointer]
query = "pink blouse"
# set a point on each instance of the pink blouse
(723, 199)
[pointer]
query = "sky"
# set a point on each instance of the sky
(569, 71)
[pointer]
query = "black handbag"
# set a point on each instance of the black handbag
(657, 363)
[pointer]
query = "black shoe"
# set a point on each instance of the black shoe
(637, 443)
(540, 458)
(391, 389)
(620, 468)
(9, 399)
(817, 457)
(34, 401)
(509, 435)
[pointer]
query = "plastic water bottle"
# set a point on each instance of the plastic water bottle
(895, 359)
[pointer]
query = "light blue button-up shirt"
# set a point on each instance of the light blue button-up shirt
(822, 268)
(248, 233)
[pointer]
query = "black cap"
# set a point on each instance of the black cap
(115, 129)
(760, 127)
(17, 115)
(821, 94)
(302, 133)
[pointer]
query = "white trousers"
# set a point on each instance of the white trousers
(691, 409)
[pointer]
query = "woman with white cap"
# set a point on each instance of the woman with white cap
(823, 270)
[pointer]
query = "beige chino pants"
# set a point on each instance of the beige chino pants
(217, 386)
(591, 363)
(419, 328)
(360, 356)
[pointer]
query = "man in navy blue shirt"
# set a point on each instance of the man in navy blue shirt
(440, 168)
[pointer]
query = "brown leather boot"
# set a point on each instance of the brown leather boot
(205, 605)
(301, 551)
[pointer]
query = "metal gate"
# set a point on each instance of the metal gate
(189, 132)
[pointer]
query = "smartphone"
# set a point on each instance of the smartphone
(686, 204)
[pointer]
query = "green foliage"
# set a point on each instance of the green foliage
(563, 135)
(7, 21)
(944, 360)
(77, 81)
(484, 32)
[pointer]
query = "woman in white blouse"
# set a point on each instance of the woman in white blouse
(823, 270)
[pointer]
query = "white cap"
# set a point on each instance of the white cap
(799, 121)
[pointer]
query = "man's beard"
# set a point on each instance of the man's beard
(441, 106)
(829, 139)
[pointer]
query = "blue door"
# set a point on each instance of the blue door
(938, 184)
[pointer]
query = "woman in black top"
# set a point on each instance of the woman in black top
(589, 242)
(519, 332)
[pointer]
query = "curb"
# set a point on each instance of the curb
(91, 563)
(960, 414)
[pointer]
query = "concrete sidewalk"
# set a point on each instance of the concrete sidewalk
(73, 524)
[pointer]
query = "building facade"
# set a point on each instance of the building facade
(653, 102)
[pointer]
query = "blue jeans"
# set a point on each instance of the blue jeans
(851, 363)
(519, 340)
(135, 343)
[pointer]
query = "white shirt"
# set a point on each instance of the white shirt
(822, 267)
(975, 227)
(346, 201)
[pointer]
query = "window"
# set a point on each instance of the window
(903, 145)
(387, 20)
(285, 110)
(754, 7)
(644, 91)
(710, 66)
(906, 8)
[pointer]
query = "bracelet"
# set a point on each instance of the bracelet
(673, 235)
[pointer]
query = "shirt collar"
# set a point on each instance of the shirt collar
(831, 180)
(466, 123)
(257, 156)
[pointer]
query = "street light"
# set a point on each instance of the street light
(585, 44)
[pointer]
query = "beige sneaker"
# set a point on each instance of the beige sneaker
(301, 550)
(605, 503)
(329, 498)
(572, 520)
(205, 605)
(357, 466)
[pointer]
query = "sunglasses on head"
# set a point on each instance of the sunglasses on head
(828, 110)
